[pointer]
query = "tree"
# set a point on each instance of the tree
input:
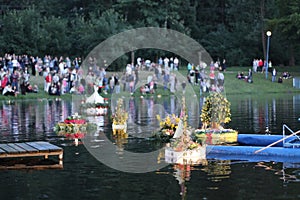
(19, 32)
(288, 24)
(54, 35)
(231, 29)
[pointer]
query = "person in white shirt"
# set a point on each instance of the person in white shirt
(15, 63)
(166, 62)
(139, 61)
(176, 63)
(8, 90)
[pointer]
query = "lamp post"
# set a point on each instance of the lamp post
(269, 33)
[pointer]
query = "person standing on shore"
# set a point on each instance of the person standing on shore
(274, 73)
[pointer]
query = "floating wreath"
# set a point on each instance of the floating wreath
(215, 111)
(120, 116)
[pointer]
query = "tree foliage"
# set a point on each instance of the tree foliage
(287, 24)
(231, 29)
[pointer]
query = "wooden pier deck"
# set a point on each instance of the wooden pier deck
(30, 149)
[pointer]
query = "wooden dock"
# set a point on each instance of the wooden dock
(30, 149)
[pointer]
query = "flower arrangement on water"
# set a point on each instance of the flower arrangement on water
(74, 130)
(74, 127)
(182, 148)
(70, 127)
(120, 115)
(216, 136)
(74, 119)
(168, 125)
(185, 141)
(179, 145)
(215, 111)
(94, 108)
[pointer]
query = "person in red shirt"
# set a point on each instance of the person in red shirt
(260, 64)
(48, 81)
(4, 81)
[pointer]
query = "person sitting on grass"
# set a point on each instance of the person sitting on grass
(8, 90)
(31, 89)
(249, 77)
(280, 80)
(240, 75)
(286, 75)
(54, 89)
(151, 87)
(145, 89)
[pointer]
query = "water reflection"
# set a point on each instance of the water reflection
(182, 173)
(90, 179)
(120, 143)
(252, 115)
(142, 120)
(24, 120)
(288, 172)
(218, 170)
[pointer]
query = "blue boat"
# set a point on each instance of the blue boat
(258, 147)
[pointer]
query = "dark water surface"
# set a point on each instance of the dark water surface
(84, 177)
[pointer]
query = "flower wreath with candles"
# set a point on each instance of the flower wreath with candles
(74, 126)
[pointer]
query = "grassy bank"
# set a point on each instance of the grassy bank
(233, 86)
(260, 84)
(36, 80)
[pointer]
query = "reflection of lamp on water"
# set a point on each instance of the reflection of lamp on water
(269, 33)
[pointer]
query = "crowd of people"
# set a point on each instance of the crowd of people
(62, 75)
(162, 72)
(258, 65)
(16, 71)
(208, 80)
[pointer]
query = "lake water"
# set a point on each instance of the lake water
(84, 177)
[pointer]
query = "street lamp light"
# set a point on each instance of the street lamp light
(269, 33)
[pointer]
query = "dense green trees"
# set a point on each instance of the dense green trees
(231, 29)
(287, 24)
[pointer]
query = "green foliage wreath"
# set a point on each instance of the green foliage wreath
(215, 111)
